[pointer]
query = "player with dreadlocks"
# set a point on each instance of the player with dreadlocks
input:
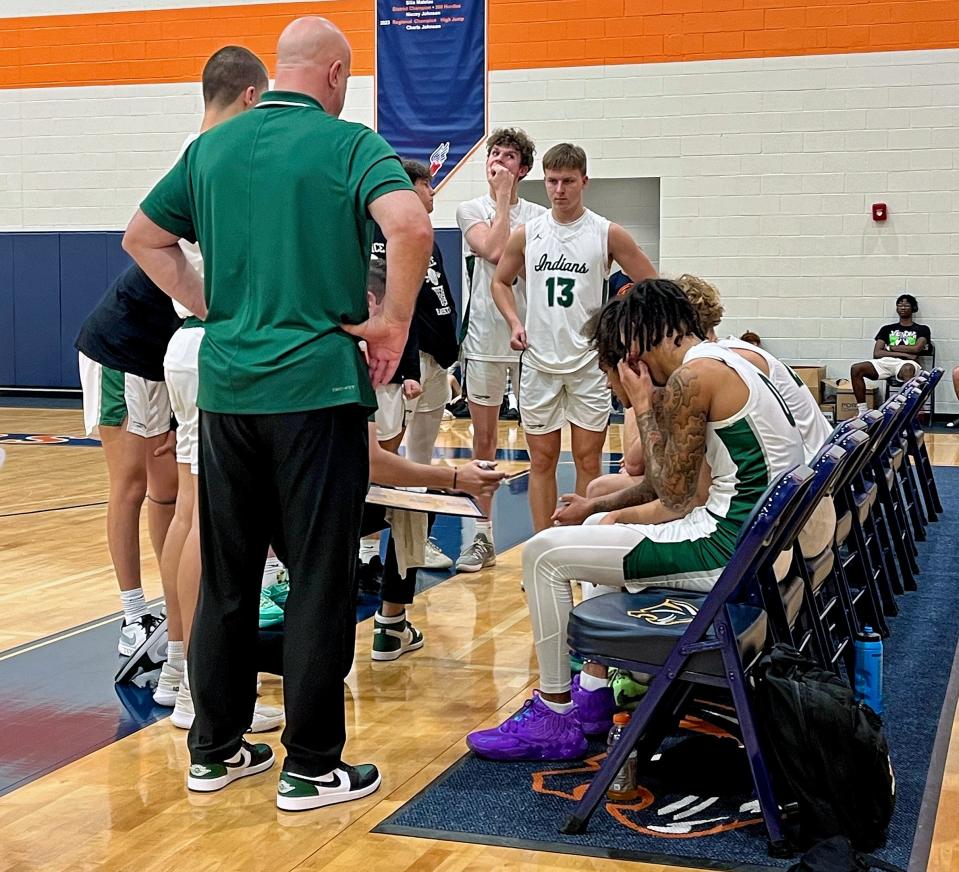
(714, 407)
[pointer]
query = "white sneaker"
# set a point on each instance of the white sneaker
(435, 558)
(265, 717)
(168, 685)
(134, 633)
(477, 556)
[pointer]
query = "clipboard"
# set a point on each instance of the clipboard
(422, 500)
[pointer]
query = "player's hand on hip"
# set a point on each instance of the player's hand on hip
(385, 340)
(480, 481)
(518, 340)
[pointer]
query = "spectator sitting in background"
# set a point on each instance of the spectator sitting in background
(751, 338)
(896, 352)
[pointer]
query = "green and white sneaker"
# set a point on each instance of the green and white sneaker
(270, 613)
(249, 760)
(393, 637)
(300, 793)
(479, 555)
(278, 592)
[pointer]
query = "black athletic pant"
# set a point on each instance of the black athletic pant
(395, 588)
(298, 480)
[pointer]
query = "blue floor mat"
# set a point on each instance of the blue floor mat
(523, 805)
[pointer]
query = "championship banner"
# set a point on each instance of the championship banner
(431, 80)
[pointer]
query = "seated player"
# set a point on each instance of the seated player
(715, 409)
(896, 352)
(393, 634)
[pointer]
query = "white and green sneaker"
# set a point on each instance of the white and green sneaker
(249, 760)
(300, 793)
(393, 637)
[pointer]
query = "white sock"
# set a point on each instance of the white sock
(271, 569)
(592, 682)
(369, 548)
(511, 400)
(174, 654)
(395, 619)
(561, 708)
(485, 528)
(134, 605)
(861, 407)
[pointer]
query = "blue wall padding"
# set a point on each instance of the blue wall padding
(49, 283)
(36, 315)
(7, 371)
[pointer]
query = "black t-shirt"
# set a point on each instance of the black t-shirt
(895, 334)
(434, 318)
(130, 327)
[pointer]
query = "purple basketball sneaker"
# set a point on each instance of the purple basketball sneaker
(535, 732)
(595, 707)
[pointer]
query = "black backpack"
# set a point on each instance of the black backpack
(837, 855)
(827, 752)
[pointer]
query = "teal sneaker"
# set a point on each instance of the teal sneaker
(392, 639)
(270, 613)
(249, 760)
(278, 592)
(300, 793)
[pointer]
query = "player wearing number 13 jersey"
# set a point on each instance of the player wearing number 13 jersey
(567, 254)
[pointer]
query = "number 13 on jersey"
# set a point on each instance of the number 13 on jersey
(559, 291)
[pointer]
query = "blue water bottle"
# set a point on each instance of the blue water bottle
(868, 682)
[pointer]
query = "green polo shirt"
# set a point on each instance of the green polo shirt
(278, 198)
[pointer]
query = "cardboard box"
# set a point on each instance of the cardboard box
(846, 399)
(812, 377)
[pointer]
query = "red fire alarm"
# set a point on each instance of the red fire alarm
(879, 212)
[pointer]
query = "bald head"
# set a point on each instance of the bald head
(313, 57)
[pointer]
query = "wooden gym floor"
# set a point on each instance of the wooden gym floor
(125, 806)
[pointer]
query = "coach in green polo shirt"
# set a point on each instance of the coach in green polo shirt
(281, 201)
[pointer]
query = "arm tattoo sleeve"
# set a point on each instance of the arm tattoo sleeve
(637, 495)
(674, 437)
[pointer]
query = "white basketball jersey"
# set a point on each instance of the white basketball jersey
(747, 451)
(486, 333)
(810, 421)
(566, 270)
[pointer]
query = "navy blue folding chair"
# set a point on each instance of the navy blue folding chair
(916, 448)
(810, 564)
(853, 563)
(890, 500)
(707, 641)
(871, 540)
(898, 452)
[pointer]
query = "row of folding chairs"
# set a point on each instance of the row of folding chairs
(871, 487)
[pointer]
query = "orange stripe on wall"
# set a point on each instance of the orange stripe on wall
(164, 45)
(172, 45)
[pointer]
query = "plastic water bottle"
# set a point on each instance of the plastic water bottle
(868, 678)
(624, 784)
